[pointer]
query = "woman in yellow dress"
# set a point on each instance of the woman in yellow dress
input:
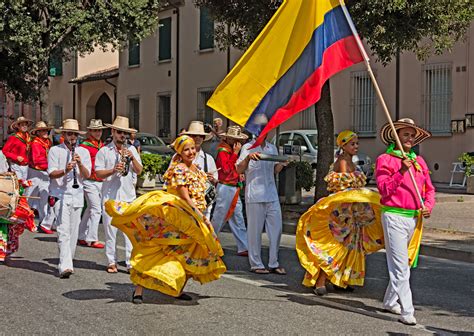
(336, 233)
(172, 239)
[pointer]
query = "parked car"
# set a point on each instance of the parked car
(305, 144)
(152, 144)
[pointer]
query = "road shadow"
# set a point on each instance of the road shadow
(79, 263)
(48, 239)
(34, 266)
(122, 292)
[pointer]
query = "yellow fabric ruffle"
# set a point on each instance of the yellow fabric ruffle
(171, 243)
(336, 233)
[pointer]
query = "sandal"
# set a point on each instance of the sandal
(259, 271)
(112, 268)
(278, 270)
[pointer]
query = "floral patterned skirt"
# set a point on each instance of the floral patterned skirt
(336, 233)
(171, 243)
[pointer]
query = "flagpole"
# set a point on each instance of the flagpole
(379, 93)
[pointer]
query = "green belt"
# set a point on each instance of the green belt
(238, 184)
(400, 211)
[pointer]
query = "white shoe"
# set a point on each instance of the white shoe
(397, 310)
(408, 320)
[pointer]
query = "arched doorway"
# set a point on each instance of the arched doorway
(103, 111)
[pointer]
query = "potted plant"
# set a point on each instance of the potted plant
(153, 165)
(298, 175)
(468, 162)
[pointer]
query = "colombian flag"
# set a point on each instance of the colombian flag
(282, 73)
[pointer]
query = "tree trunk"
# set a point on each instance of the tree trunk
(325, 126)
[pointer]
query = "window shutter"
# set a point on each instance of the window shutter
(164, 39)
(133, 53)
(206, 30)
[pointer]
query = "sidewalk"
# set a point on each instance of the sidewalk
(448, 234)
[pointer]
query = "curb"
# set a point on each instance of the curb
(425, 250)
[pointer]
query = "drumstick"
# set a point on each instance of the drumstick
(32, 197)
(214, 171)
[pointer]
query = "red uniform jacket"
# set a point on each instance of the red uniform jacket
(38, 154)
(93, 147)
(17, 145)
(225, 160)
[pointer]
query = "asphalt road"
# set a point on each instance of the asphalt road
(35, 301)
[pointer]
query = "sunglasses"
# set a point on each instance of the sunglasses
(120, 132)
(70, 133)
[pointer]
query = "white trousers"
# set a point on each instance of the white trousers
(266, 214)
(89, 228)
(49, 221)
(111, 241)
(69, 217)
(20, 171)
(40, 181)
(398, 231)
(225, 195)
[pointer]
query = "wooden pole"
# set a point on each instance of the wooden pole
(379, 93)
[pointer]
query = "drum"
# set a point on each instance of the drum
(210, 193)
(9, 194)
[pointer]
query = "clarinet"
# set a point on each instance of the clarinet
(75, 185)
(126, 161)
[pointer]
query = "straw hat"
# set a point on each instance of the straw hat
(197, 128)
(121, 124)
(21, 119)
(387, 136)
(40, 125)
(70, 125)
(234, 132)
(95, 124)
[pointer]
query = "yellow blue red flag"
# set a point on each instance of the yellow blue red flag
(282, 73)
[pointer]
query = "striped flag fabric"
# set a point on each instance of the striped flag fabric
(283, 71)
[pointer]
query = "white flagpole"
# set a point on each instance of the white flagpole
(379, 93)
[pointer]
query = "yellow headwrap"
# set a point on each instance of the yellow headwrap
(344, 137)
(182, 141)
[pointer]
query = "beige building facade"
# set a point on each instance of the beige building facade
(163, 82)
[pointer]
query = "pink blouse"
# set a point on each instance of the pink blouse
(397, 189)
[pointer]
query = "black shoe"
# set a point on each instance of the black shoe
(320, 291)
(66, 274)
(137, 299)
(184, 297)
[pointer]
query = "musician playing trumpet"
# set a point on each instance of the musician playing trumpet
(118, 164)
(68, 166)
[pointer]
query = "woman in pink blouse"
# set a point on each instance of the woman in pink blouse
(402, 209)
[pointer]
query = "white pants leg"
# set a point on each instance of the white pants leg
(88, 230)
(20, 171)
(111, 242)
(255, 222)
(398, 231)
(225, 195)
(50, 218)
(68, 228)
(40, 180)
(273, 227)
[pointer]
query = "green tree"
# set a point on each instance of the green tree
(34, 33)
(389, 27)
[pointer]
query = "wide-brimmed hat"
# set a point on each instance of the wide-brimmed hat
(70, 125)
(40, 126)
(95, 124)
(21, 119)
(197, 128)
(122, 124)
(234, 132)
(387, 136)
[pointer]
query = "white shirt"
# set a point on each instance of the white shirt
(3, 163)
(260, 183)
(116, 186)
(199, 161)
(58, 158)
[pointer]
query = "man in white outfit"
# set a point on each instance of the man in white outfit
(203, 161)
(116, 164)
(262, 204)
(68, 166)
(88, 230)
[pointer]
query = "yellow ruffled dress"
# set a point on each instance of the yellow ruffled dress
(171, 242)
(338, 231)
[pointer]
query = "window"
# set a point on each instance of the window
(437, 97)
(206, 29)
(16, 109)
(283, 139)
(164, 116)
(204, 112)
(363, 103)
(164, 42)
(58, 115)
(133, 53)
(55, 66)
(134, 112)
(298, 140)
(308, 118)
